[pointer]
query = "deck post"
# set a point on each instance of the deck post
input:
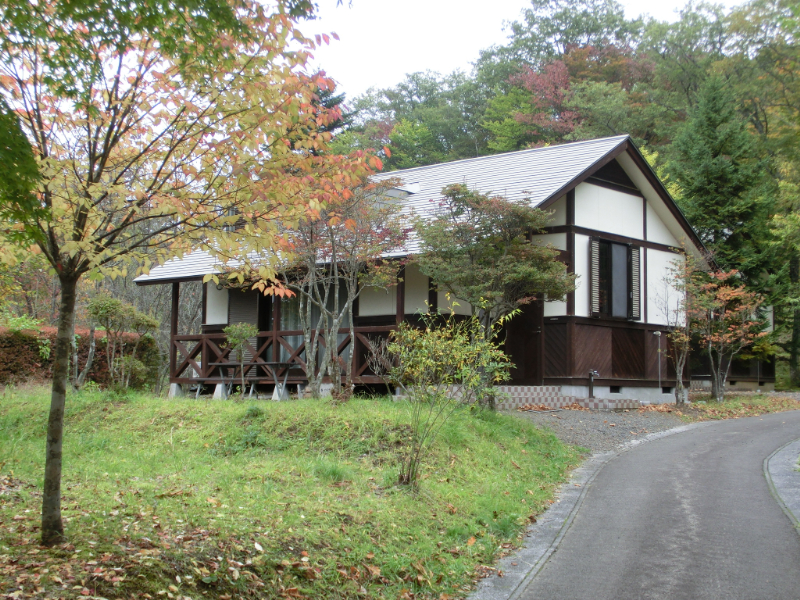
(276, 325)
(173, 328)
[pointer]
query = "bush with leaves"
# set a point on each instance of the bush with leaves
(118, 318)
(438, 366)
(478, 249)
(724, 315)
(238, 335)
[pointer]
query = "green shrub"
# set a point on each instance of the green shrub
(22, 357)
(439, 367)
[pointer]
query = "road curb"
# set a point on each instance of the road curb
(543, 537)
(783, 478)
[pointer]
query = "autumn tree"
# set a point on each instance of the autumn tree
(724, 315)
(478, 248)
(149, 133)
(332, 259)
(368, 230)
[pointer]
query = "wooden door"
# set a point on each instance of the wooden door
(525, 345)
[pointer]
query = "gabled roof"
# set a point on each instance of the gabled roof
(537, 174)
(541, 175)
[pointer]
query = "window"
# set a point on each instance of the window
(614, 281)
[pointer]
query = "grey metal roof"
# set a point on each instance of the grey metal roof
(192, 266)
(537, 175)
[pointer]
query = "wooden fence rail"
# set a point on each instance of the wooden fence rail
(205, 358)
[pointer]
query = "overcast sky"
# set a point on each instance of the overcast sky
(382, 40)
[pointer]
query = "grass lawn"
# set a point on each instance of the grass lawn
(703, 408)
(219, 499)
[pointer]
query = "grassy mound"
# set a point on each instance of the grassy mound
(217, 499)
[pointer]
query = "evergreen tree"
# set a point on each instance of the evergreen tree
(723, 189)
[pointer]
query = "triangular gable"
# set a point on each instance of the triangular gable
(627, 158)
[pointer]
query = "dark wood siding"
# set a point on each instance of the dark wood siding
(524, 345)
(555, 350)
(592, 347)
(627, 351)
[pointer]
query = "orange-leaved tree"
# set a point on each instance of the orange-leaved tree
(724, 315)
(333, 259)
(153, 151)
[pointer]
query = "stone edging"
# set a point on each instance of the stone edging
(783, 478)
(543, 537)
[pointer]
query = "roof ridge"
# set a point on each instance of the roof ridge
(621, 138)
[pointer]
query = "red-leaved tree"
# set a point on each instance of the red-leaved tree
(724, 315)
(551, 119)
(155, 151)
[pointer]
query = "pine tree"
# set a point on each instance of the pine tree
(724, 192)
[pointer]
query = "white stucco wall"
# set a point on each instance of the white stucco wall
(559, 210)
(463, 307)
(416, 297)
(657, 231)
(216, 305)
(375, 301)
(662, 297)
(582, 308)
(602, 209)
(657, 207)
(555, 309)
(557, 240)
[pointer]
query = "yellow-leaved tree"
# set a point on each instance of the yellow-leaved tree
(152, 141)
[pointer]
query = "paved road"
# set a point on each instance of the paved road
(687, 517)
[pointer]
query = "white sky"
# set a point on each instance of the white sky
(382, 40)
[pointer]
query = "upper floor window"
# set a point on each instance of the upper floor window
(614, 279)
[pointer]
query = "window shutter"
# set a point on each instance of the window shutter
(594, 276)
(634, 302)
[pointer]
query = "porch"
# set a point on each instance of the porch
(205, 358)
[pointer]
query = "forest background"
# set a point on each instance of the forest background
(713, 99)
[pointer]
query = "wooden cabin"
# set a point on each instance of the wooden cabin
(617, 229)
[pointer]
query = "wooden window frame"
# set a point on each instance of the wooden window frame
(633, 283)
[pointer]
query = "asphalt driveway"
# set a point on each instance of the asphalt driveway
(689, 516)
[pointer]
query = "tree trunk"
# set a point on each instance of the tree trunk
(80, 378)
(680, 367)
(52, 527)
(720, 365)
(351, 362)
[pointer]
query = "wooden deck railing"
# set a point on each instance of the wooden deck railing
(205, 358)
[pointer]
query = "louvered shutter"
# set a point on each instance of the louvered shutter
(634, 302)
(594, 276)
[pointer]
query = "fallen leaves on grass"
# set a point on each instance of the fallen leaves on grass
(735, 407)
